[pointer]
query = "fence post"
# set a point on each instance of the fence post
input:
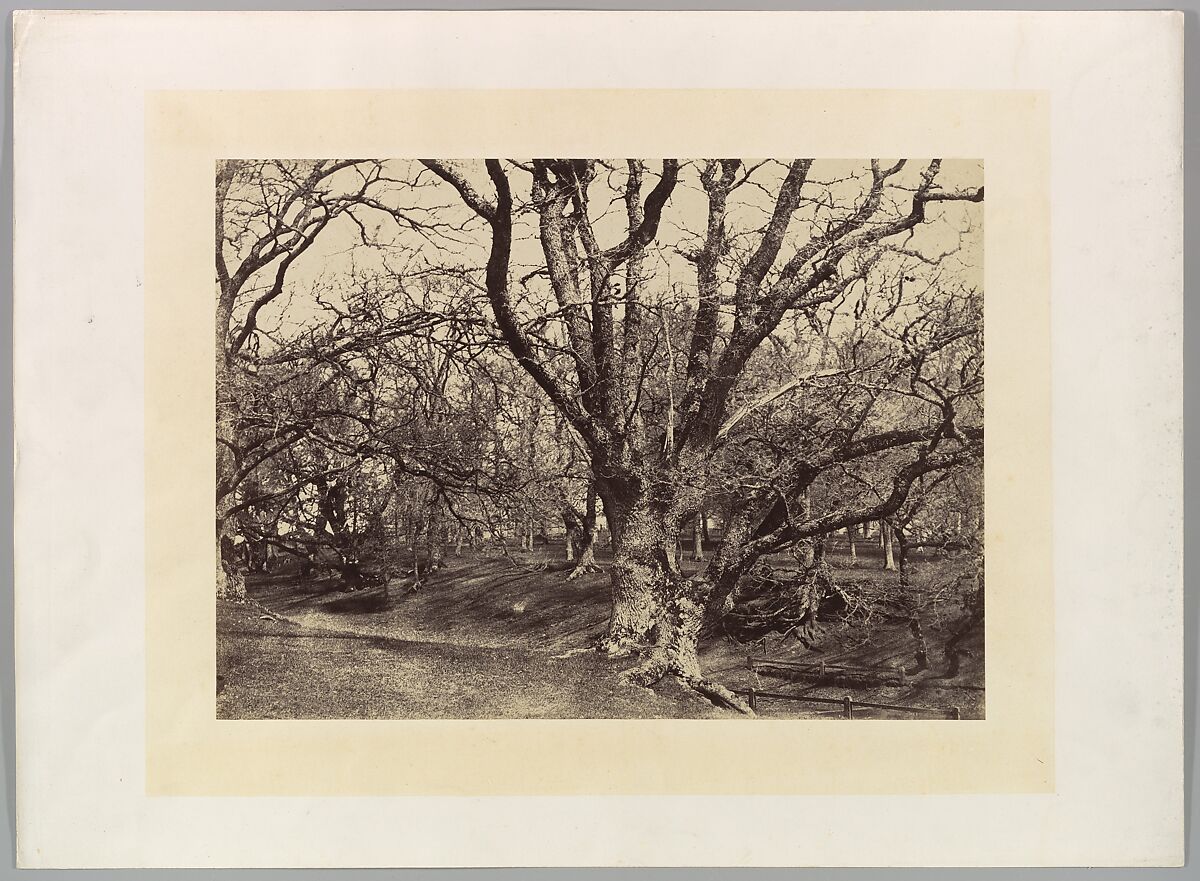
(848, 707)
(753, 700)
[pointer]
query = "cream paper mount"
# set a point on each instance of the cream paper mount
(189, 752)
(120, 119)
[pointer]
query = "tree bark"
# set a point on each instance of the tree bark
(587, 528)
(889, 559)
(809, 547)
(677, 633)
(853, 545)
(636, 584)
(231, 582)
(587, 558)
(698, 539)
(641, 551)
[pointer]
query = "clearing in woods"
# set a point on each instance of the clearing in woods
(492, 637)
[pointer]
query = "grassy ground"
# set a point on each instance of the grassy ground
(490, 638)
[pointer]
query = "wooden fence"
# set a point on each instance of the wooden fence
(831, 674)
(841, 673)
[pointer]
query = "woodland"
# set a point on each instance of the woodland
(593, 437)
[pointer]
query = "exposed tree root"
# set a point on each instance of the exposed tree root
(583, 567)
(719, 695)
(652, 669)
(784, 602)
(615, 647)
(656, 667)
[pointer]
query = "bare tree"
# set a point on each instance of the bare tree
(599, 348)
(338, 376)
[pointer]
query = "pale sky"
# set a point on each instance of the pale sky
(338, 255)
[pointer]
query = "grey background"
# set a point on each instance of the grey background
(1191, 452)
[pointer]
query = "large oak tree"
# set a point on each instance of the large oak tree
(662, 378)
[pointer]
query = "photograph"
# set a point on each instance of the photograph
(567, 462)
(599, 438)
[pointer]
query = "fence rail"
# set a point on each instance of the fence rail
(823, 668)
(847, 703)
(832, 674)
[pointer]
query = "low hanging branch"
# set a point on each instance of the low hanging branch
(769, 397)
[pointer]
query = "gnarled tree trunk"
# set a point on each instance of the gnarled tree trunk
(231, 582)
(642, 557)
(678, 621)
(332, 502)
(587, 556)
(587, 530)
(655, 608)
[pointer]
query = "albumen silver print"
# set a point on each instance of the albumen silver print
(592, 438)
